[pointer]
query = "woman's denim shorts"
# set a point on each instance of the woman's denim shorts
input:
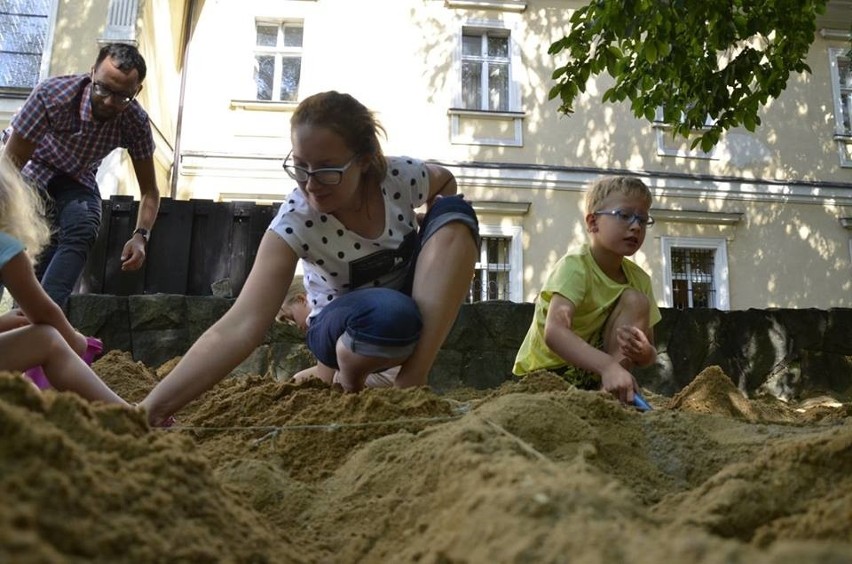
(382, 322)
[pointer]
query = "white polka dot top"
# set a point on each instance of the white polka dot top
(336, 260)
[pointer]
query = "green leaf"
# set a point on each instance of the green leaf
(650, 52)
(663, 52)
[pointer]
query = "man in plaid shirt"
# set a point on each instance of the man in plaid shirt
(60, 136)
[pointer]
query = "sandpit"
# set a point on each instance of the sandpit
(534, 471)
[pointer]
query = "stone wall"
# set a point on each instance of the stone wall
(789, 353)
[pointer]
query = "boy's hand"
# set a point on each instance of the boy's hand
(634, 344)
(619, 382)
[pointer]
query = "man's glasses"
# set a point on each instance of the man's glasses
(628, 218)
(102, 91)
(328, 176)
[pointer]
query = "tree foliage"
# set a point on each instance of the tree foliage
(694, 59)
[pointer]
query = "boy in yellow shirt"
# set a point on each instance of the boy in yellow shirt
(596, 311)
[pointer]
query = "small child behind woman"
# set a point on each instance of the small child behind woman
(295, 311)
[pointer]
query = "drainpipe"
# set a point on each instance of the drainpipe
(189, 15)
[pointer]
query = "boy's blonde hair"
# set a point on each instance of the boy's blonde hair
(22, 210)
(626, 185)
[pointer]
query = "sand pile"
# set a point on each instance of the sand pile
(534, 471)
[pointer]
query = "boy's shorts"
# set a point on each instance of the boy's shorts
(383, 322)
(580, 378)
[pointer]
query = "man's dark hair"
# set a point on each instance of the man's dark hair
(125, 56)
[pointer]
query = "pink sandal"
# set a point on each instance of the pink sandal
(94, 347)
(36, 374)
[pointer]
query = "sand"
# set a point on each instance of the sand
(534, 471)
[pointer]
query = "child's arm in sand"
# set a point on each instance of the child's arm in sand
(560, 337)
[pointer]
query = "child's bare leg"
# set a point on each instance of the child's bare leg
(42, 345)
(441, 281)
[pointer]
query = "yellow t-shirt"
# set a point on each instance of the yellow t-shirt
(577, 277)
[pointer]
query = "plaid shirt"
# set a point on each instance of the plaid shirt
(57, 116)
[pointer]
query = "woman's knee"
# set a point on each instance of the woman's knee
(451, 216)
(387, 315)
(370, 322)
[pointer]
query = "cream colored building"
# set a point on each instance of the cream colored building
(764, 220)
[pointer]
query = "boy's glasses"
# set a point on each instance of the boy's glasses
(628, 218)
(329, 176)
(101, 91)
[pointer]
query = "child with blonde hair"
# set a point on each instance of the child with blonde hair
(295, 308)
(295, 311)
(38, 334)
(594, 317)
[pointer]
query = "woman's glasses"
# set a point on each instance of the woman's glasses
(329, 176)
(628, 218)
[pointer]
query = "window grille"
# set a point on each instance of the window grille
(121, 21)
(23, 33)
(693, 284)
(492, 272)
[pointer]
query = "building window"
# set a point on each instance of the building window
(485, 70)
(841, 81)
(497, 273)
(692, 278)
(696, 273)
(121, 21)
(669, 146)
(278, 60)
(487, 102)
(25, 28)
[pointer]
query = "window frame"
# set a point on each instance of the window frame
(842, 137)
(663, 132)
(516, 258)
(279, 52)
(720, 266)
(16, 93)
(484, 61)
(514, 116)
(121, 21)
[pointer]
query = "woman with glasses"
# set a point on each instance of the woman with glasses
(383, 284)
(594, 317)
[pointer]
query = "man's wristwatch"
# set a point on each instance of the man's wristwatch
(144, 232)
